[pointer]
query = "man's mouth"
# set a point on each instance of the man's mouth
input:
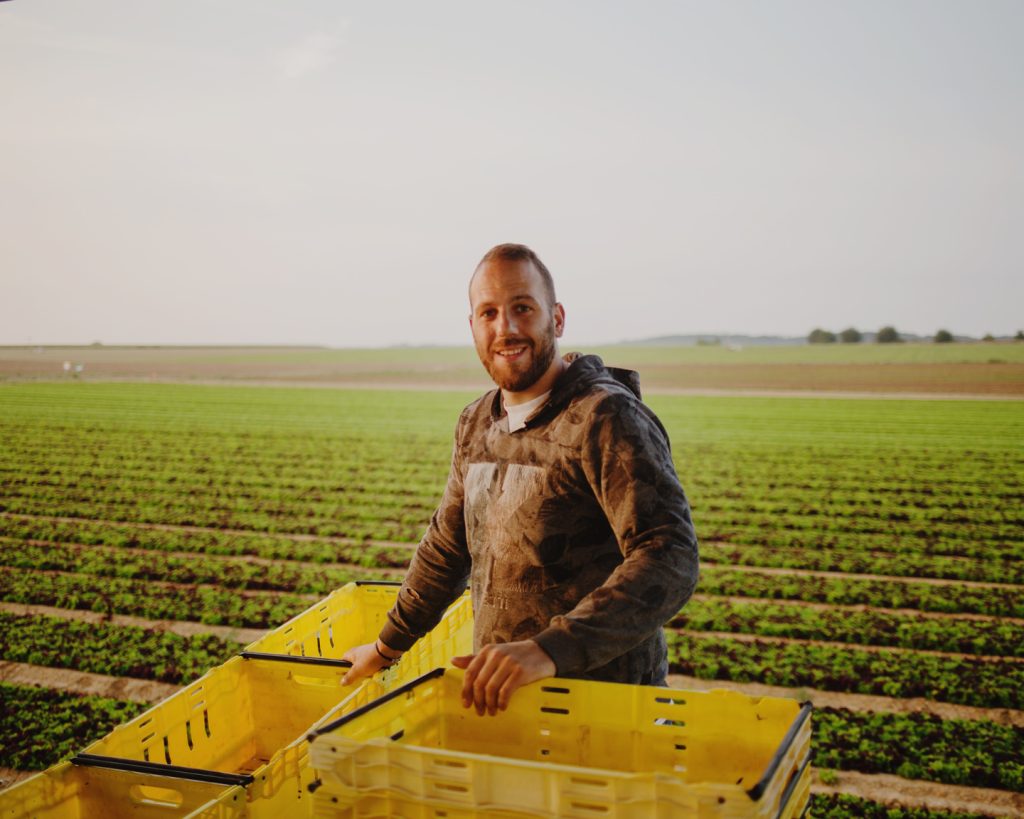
(512, 352)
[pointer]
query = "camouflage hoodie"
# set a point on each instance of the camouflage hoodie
(573, 531)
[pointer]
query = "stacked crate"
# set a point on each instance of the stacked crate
(233, 743)
(273, 732)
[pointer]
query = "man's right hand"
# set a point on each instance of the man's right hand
(366, 660)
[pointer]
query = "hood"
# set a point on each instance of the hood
(586, 371)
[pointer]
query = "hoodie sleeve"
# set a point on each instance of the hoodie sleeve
(626, 460)
(439, 569)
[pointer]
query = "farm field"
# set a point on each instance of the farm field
(865, 554)
(960, 369)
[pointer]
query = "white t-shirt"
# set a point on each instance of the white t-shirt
(518, 413)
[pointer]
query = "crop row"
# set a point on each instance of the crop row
(873, 628)
(51, 725)
(920, 746)
(102, 648)
(715, 580)
(1002, 526)
(231, 573)
(846, 806)
(837, 559)
(325, 551)
(982, 683)
(205, 604)
(708, 614)
(212, 542)
(887, 594)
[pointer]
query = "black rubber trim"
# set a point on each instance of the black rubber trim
(377, 582)
(758, 790)
(295, 658)
(791, 786)
(330, 726)
(160, 769)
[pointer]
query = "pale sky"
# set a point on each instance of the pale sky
(326, 172)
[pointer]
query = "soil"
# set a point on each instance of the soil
(82, 682)
(896, 792)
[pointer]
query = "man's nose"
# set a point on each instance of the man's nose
(507, 324)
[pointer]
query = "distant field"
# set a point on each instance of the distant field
(867, 555)
(981, 369)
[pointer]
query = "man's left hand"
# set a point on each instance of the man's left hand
(498, 670)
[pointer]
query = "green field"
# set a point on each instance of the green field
(857, 547)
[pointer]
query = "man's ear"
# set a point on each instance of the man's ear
(559, 316)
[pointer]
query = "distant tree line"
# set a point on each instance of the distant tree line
(887, 335)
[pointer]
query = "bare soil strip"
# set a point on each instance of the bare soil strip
(895, 791)
(888, 578)
(82, 682)
(744, 637)
(927, 615)
(184, 628)
(856, 702)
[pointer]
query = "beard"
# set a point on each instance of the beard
(513, 379)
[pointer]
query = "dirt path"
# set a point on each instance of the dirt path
(184, 628)
(9, 776)
(745, 637)
(857, 702)
(894, 791)
(887, 578)
(860, 607)
(83, 682)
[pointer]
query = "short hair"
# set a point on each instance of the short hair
(511, 252)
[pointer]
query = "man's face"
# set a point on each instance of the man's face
(514, 325)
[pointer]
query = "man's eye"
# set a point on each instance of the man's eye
(523, 308)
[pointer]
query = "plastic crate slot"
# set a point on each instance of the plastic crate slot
(198, 705)
(670, 723)
(330, 635)
(319, 648)
(670, 700)
(590, 807)
(544, 752)
(145, 722)
(145, 754)
(444, 786)
(148, 737)
(545, 732)
(188, 734)
(680, 747)
(167, 751)
(549, 689)
(206, 723)
(195, 692)
(397, 736)
(547, 709)
(151, 796)
(449, 763)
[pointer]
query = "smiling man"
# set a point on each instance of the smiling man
(562, 510)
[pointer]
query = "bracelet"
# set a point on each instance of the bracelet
(384, 656)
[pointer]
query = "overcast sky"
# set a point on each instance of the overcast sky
(316, 171)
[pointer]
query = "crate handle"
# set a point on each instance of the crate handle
(293, 658)
(159, 769)
(756, 792)
(151, 796)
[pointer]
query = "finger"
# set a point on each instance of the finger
(471, 673)
(483, 678)
(512, 682)
(463, 661)
(496, 684)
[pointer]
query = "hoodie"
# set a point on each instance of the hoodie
(573, 531)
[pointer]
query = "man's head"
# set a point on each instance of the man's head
(515, 320)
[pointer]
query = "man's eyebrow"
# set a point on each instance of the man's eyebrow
(518, 297)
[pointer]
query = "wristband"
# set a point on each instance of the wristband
(384, 656)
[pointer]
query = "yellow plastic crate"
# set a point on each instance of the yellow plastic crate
(349, 616)
(251, 715)
(68, 791)
(565, 748)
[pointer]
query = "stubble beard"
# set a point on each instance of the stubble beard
(540, 360)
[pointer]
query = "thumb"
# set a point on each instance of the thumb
(463, 661)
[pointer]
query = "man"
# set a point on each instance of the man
(562, 508)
